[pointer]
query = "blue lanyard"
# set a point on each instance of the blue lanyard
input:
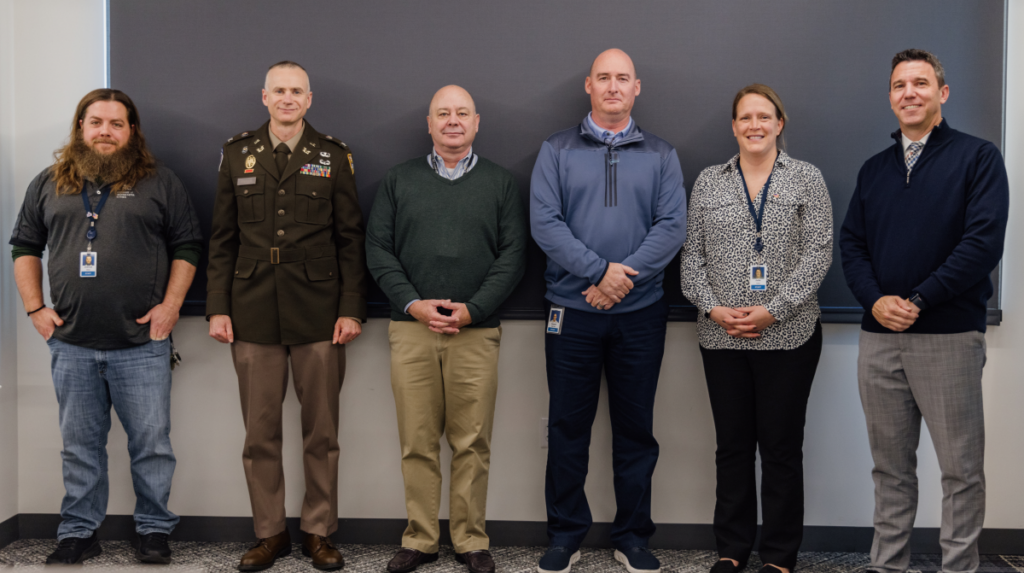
(93, 215)
(759, 214)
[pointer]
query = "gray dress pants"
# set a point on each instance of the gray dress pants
(902, 378)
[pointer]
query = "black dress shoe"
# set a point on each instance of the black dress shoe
(71, 550)
(725, 566)
(409, 559)
(153, 548)
(478, 561)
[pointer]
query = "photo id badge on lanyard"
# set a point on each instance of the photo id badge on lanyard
(555, 317)
(87, 259)
(759, 277)
(87, 264)
(758, 272)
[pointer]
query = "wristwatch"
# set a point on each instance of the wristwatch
(918, 301)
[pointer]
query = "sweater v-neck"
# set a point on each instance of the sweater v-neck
(454, 182)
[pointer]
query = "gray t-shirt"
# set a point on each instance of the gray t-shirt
(136, 232)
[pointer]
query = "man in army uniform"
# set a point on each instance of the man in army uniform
(287, 278)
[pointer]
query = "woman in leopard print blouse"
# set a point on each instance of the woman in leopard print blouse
(759, 330)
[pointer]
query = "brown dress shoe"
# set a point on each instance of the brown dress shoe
(326, 556)
(408, 559)
(477, 561)
(265, 552)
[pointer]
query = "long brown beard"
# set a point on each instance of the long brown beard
(123, 168)
(108, 168)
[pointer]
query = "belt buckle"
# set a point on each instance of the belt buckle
(275, 256)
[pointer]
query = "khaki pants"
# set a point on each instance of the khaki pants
(318, 369)
(444, 383)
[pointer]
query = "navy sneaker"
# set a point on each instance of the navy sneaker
(558, 559)
(638, 560)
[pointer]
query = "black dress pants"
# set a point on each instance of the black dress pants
(759, 402)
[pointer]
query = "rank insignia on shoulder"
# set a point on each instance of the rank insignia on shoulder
(329, 137)
(246, 134)
(351, 165)
(315, 170)
(245, 150)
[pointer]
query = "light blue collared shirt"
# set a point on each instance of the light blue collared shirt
(461, 168)
(605, 135)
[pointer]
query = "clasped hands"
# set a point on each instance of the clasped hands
(613, 287)
(742, 322)
(426, 312)
(895, 313)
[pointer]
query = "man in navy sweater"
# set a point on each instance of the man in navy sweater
(924, 230)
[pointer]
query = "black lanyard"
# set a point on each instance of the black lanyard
(759, 214)
(93, 215)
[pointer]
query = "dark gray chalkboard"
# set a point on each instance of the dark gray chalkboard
(195, 69)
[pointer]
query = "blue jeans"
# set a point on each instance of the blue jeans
(629, 348)
(137, 382)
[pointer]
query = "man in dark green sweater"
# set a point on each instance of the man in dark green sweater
(446, 242)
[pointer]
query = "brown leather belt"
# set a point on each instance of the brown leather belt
(276, 256)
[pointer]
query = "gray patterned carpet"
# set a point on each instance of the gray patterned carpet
(29, 554)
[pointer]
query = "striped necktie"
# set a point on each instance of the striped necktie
(913, 152)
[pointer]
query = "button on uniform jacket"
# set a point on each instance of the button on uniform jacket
(286, 253)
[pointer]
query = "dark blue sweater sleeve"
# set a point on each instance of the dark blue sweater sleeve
(853, 247)
(979, 251)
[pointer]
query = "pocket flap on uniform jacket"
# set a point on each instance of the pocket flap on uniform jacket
(324, 269)
(315, 189)
(244, 268)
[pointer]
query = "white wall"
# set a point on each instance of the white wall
(1004, 390)
(8, 298)
(58, 58)
(207, 432)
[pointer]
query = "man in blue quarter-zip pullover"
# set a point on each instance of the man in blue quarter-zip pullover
(608, 208)
(924, 230)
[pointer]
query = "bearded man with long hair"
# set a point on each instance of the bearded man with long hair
(116, 286)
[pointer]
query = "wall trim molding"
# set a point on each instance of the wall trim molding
(8, 531)
(502, 533)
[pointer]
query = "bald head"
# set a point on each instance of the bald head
(453, 122)
(613, 87)
(452, 93)
(613, 59)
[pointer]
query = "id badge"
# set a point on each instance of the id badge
(759, 277)
(87, 264)
(555, 317)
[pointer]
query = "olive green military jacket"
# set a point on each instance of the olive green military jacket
(286, 254)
